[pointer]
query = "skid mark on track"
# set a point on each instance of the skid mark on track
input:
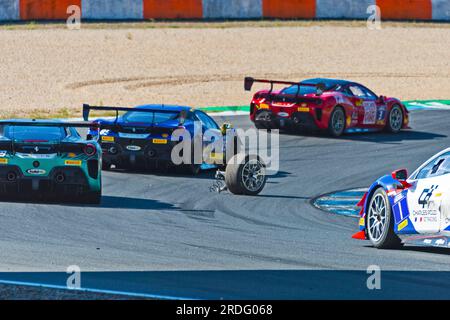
(138, 82)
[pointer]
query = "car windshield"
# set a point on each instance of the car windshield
(303, 90)
(149, 117)
(436, 167)
(33, 132)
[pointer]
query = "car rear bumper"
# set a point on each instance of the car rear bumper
(300, 120)
(60, 180)
(149, 154)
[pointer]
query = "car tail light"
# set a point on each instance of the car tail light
(90, 150)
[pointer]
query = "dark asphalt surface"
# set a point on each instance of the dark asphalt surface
(165, 222)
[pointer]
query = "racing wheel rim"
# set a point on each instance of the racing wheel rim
(338, 121)
(396, 118)
(253, 175)
(376, 219)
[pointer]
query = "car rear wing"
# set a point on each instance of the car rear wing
(249, 81)
(67, 147)
(87, 109)
(39, 123)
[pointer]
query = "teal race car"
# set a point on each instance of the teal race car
(49, 159)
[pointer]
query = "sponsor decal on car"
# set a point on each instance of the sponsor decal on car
(3, 161)
(216, 156)
(370, 112)
(108, 138)
(134, 148)
(263, 106)
(133, 135)
(425, 216)
(362, 222)
(303, 109)
(283, 114)
(36, 171)
(159, 141)
(403, 225)
(381, 115)
(73, 162)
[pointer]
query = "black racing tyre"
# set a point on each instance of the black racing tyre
(336, 126)
(260, 126)
(92, 197)
(106, 165)
(194, 169)
(245, 175)
(264, 120)
(395, 119)
(380, 222)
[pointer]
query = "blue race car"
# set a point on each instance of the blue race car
(416, 210)
(141, 137)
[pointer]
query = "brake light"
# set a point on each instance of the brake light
(90, 150)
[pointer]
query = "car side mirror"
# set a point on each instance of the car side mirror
(381, 99)
(400, 175)
(89, 137)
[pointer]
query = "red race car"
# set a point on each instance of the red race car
(338, 106)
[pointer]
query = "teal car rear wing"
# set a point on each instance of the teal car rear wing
(9, 144)
(39, 123)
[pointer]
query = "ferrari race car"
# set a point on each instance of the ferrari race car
(49, 158)
(146, 136)
(338, 106)
(414, 209)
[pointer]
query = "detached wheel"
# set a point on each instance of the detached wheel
(380, 222)
(336, 126)
(93, 197)
(245, 175)
(395, 119)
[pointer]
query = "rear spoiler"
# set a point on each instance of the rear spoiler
(249, 81)
(34, 123)
(87, 109)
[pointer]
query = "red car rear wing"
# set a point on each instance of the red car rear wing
(249, 81)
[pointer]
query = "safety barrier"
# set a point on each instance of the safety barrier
(224, 9)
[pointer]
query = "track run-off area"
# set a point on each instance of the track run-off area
(171, 225)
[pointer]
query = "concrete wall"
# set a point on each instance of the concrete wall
(112, 9)
(343, 9)
(441, 10)
(233, 9)
(9, 10)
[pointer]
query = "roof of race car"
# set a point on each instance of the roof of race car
(168, 107)
(328, 82)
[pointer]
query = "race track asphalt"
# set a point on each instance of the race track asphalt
(170, 222)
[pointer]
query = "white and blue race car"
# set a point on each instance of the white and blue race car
(398, 209)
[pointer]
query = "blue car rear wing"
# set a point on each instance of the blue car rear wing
(87, 109)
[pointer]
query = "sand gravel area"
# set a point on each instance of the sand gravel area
(52, 71)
